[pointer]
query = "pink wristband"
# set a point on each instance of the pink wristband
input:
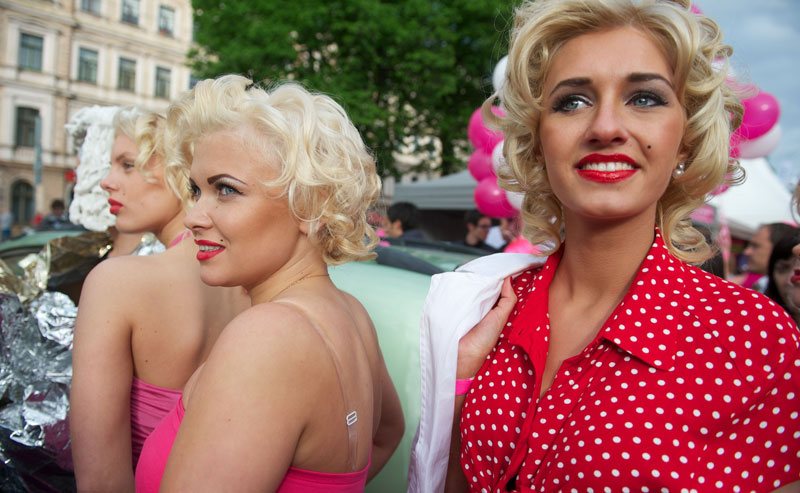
(462, 386)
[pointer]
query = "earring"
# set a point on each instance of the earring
(678, 172)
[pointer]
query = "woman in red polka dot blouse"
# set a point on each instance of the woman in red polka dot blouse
(622, 366)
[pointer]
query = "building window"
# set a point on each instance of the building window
(26, 126)
(193, 81)
(130, 12)
(87, 65)
(30, 52)
(166, 21)
(162, 82)
(92, 6)
(126, 79)
(22, 202)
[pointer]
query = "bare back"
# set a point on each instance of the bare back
(177, 318)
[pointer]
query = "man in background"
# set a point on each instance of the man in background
(478, 227)
(758, 251)
(404, 222)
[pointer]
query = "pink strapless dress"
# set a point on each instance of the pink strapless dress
(158, 445)
(149, 404)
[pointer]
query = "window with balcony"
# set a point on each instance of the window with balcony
(91, 6)
(87, 65)
(26, 126)
(166, 21)
(126, 78)
(130, 12)
(163, 76)
(30, 52)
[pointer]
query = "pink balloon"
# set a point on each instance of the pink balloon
(480, 165)
(491, 199)
(479, 135)
(521, 245)
(762, 146)
(761, 113)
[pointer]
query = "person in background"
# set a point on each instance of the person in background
(144, 323)
(619, 365)
(295, 395)
(56, 219)
(404, 222)
(92, 132)
(758, 251)
(478, 226)
(6, 222)
(780, 270)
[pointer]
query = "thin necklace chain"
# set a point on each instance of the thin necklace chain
(298, 281)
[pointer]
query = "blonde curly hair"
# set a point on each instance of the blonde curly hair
(693, 46)
(146, 130)
(327, 174)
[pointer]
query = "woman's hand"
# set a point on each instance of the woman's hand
(479, 341)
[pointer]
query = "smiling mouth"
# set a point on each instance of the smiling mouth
(607, 167)
(209, 248)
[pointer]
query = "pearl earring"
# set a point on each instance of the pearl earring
(678, 172)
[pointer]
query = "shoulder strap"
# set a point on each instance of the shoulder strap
(352, 417)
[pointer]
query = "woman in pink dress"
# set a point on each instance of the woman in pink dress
(295, 395)
(144, 323)
(622, 366)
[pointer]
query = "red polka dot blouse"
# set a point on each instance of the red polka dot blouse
(692, 384)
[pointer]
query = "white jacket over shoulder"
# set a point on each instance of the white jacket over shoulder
(456, 302)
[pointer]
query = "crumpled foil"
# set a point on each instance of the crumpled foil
(36, 328)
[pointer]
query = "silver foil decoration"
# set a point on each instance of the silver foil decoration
(36, 329)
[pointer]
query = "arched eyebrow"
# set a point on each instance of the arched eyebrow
(633, 77)
(647, 77)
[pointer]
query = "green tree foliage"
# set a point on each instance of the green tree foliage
(414, 68)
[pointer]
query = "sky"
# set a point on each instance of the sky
(765, 36)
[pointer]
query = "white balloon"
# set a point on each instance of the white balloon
(515, 199)
(498, 161)
(762, 146)
(499, 74)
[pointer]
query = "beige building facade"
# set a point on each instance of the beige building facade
(58, 56)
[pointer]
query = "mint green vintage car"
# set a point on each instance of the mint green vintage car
(393, 297)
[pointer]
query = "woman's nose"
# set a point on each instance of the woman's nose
(197, 217)
(108, 183)
(607, 125)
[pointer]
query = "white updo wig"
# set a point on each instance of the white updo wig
(92, 132)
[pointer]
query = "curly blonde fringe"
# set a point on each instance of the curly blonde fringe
(694, 48)
(146, 130)
(326, 172)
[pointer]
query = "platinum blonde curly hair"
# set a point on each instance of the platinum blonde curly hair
(326, 172)
(693, 47)
(147, 130)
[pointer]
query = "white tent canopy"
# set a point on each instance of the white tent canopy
(761, 199)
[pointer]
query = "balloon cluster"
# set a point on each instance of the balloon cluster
(483, 165)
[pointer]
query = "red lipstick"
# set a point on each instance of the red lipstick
(115, 206)
(795, 279)
(598, 176)
(211, 249)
